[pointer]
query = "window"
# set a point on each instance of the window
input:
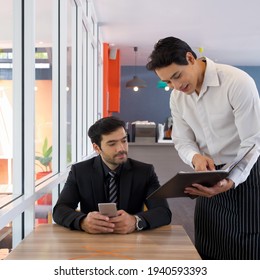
(43, 89)
(46, 75)
(6, 100)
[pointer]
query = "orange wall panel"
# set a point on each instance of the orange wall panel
(111, 82)
(105, 79)
(114, 84)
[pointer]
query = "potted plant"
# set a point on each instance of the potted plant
(45, 160)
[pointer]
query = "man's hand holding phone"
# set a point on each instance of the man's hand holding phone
(100, 222)
(108, 220)
(107, 209)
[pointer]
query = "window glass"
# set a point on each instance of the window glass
(6, 98)
(84, 137)
(92, 22)
(44, 118)
(98, 81)
(43, 89)
(92, 85)
(43, 209)
(5, 241)
(69, 89)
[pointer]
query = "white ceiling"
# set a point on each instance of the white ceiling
(228, 30)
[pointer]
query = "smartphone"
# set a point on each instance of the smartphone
(108, 209)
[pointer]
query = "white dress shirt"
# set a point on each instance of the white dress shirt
(221, 122)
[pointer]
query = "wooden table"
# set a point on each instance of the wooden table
(51, 242)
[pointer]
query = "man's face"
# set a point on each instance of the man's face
(180, 77)
(114, 148)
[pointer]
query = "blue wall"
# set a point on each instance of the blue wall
(254, 72)
(151, 103)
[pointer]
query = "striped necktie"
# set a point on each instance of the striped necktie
(112, 187)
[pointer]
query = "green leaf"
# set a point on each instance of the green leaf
(45, 145)
(48, 152)
(46, 157)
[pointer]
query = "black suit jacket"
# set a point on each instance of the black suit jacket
(85, 185)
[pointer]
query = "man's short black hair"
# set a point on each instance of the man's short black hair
(104, 126)
(167, 51)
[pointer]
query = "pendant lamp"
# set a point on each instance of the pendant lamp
(135, 83)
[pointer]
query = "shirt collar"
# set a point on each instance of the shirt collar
(211, 78)
(107, 169)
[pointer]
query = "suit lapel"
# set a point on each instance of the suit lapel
(97, 183)
(125, 185)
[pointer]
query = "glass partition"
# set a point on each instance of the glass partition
(6, 99)
(45, 108)
(69, 81)
(46, 75)
(43, 89)
(5, 241)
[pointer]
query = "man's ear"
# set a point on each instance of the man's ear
(96, 148)
(190, 58)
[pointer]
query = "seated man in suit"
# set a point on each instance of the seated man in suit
(88, 184)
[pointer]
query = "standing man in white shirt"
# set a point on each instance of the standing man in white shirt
(216, 116)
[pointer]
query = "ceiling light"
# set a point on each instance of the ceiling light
(135, 83)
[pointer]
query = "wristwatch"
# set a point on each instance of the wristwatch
(139, 225)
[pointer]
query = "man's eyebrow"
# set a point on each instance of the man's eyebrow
(113, 141)
(172, 76)
(175, 74)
